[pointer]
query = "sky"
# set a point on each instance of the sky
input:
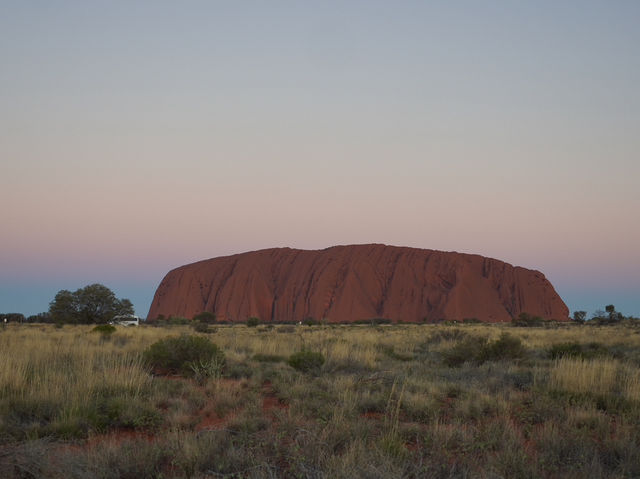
(138, 136)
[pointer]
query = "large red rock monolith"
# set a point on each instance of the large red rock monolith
(358, 282)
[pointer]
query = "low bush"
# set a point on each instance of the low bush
(391, 353)
(104, 329)
(252, 322)
(161, 321)
(202, 327)
(286, 329)
(205, 369)
(570, 349)
(478, 349)
(238, 370)
(526, 320)
(306, 361)
(472, 321)
(373, 321)
(113, 412)
(574, 349)
(182, 353)
(470, 349)
(177, 321)
(447, 335)
(505, 347)
(269, 358)
(205, 317)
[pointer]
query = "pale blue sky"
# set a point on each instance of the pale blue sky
(138, 136)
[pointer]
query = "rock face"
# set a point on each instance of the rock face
(359, 282)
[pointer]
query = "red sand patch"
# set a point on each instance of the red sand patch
(372, 415)
(118, 436)
(272, 402)
(214, 422)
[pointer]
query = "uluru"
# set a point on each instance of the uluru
(356, 282)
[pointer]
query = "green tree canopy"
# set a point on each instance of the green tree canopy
(579, 316)
(92, 304)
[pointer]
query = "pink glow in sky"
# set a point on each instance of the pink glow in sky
(136, 138)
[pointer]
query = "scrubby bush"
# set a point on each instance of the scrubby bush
(470, 349)
(183, 354)
(447, 335)
(112, 412)
(252, 322)
(373, 321)
(525, 320)
(269, 358)
(205, 317)
(478, 349)
(570, 349)
(202, 327)
(574, 349)
(471, 321)
(306, 361)
(204, 369)
(238, 370)
(286, 329)
(505, 347)
(393, 354)
(105, 330)
(161, 321)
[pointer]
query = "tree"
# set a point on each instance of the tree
(579, 316)
(92, 304)
(205, 317)
(39, 318)
(613, 314)
(12, 317)
(63, 308)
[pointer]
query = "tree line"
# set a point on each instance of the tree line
(93, 304)
(97, 304)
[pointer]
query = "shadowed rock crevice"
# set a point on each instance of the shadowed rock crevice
(350, 283)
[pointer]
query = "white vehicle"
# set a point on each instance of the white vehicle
(126, 320)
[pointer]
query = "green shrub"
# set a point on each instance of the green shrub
(170, 321)
(180, 354)
(205, 369)
(286, 329)
(104, 329)
(205, 317)
(525, 320)
(252, 322)
(470, 349)
(306, 361)
(446, 335)
(202, 327)
(113, 412)
(570, 349)
(390, 352)
(505, 347)
(238, 370)
(269, 358)
(373, 321)
(471, 321)
(576, 350)
(477, 349)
